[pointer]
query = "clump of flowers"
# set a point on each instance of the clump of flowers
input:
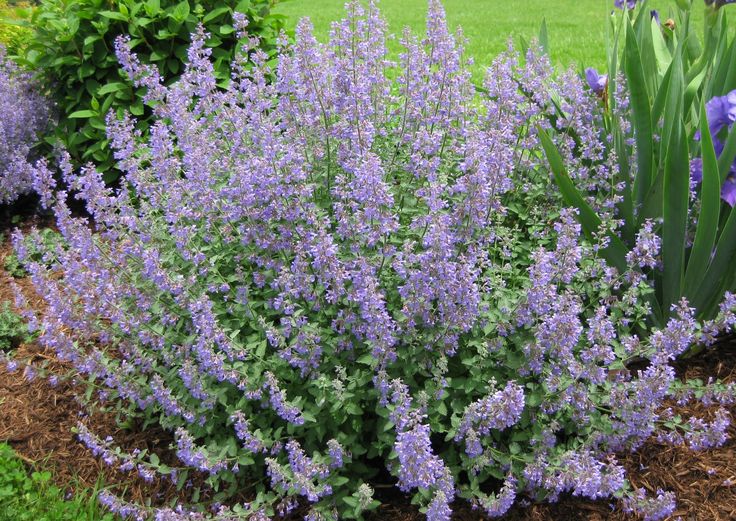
(23, 114)
(330, 275)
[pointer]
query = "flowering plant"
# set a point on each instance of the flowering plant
(676, 93)
(23, 114)
(70, 49)
(333, 279)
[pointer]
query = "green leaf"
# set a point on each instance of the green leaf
(692, 89)
(136, 108)
(350, 501)
(242, 6)
(719, 272)
(152, 7)
(642, 118)
(724, 76)
(215, 13)
(114, 86)
(616, 251)
(710, 205)
(674, 213)
(114, 15)
(662, 53)
(727, 155)
(181, 11)
(661, 96)
(82, 114)
(644, 39)
(543, 37)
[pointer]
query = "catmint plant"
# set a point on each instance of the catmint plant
(24, 114)
(358, 268)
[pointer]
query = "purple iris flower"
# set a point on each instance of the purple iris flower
(719, 3)
(654, 14)
(596, 81)
(721, 111)
(696, 165)
(629, 4)
(728, 190)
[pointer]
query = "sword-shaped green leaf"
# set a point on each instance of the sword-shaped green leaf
(720, 271)
(615, 253)
(642, 117)
(710, 205)
(674, 213)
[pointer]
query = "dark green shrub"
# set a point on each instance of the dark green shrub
(72, 50)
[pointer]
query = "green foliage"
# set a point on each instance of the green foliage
(33, 497)
(12, 35)
(72, 49)
(12, 328)
(50, 239)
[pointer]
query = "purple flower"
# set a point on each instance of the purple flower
(336, 453)
(728, 190)
(704, 435)
(497, 504)
(498, 410)
(23, 115)
(719, 3)
(597, 82)
(721, 112)
(419, 467)
(650, 508)
(300, 474)
(696, 170)
(646, 250)
(628, 4)
(242, 431)
(438, 509)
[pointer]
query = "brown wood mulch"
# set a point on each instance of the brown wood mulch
(36, 419)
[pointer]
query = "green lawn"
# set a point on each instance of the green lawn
(577, 28)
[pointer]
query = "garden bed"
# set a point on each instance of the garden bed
(37, 419)
(345, 287)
